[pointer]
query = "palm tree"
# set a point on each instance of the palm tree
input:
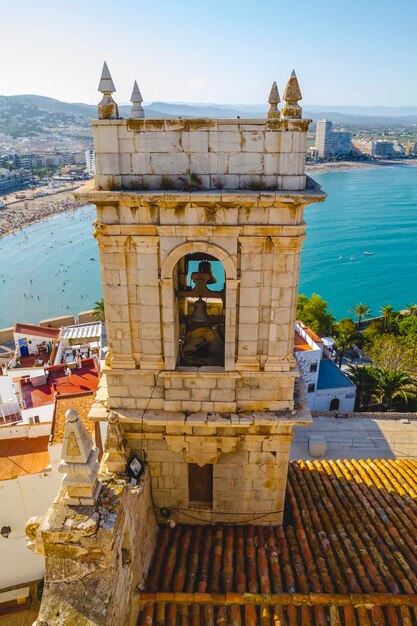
(392, 384)
(361, 310)
(386, 311)
(412, 309)
(345, 335)
(98, 311)
(364, 379)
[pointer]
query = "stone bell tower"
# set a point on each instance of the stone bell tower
(199, 227)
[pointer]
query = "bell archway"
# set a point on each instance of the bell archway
(198, 296)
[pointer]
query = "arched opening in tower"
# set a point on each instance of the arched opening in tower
(200, 304)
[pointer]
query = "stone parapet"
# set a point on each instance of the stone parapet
(204, 153)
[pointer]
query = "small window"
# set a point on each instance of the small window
(313, 367)
(200, 483)
(311, 388)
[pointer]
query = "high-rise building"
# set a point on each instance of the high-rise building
(324, 138)
(330, 143)
(90, 160)
(382, 149)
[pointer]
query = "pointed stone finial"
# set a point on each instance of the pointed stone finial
(79, 463)
(292, 95)
(116, 451)
(107, 108)
(136, 99)
(106, 84)
(274, 101)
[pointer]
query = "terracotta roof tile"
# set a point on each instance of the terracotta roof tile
(345, 555)
(81, 403)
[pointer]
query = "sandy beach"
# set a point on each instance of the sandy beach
(348, 165)
(19, 213)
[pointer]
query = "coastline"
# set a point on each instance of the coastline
(332, 166)
(20, 214)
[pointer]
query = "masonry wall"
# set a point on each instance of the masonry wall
(229, 154)
(249, 459)
(96, 556)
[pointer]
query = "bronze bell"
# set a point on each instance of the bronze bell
(200, 314)
(204, 267)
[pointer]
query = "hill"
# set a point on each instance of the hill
(29, 115)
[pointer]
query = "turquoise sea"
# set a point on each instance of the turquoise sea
(51, 268)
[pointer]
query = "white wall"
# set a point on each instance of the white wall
(21, 499)
(34, 339)
(323, 397)
(25, 430)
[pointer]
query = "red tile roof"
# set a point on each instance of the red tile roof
(82, 403)
(37, 331)
(346, 555)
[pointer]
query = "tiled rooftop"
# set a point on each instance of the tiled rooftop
(81, 403)
(80, 380)
(346, 555)
(19, 457)
(300, 344)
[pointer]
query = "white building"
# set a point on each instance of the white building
(31, 340)
(324, 138)
(328, 389)
(91, 162)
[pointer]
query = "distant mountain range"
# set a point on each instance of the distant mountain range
(31, 114)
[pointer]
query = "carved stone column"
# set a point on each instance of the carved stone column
(116, 297)
(284, 293)
(249, 296)
(149, 302)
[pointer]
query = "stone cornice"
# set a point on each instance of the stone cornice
(144, 230)
(183, 199)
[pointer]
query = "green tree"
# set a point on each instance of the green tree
(390, 352)
(361, 310)
(345, 335)
(387, 310)
(98, 311)
(408, 328)
(392, 384)
(315, 314)
(411, 309)
(364, 378)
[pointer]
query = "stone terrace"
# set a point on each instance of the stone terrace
(345, 555)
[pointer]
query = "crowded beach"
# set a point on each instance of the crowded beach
(17, 214)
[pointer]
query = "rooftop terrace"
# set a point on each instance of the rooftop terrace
(80, 380)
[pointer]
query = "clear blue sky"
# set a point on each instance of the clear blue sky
(228, 51)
